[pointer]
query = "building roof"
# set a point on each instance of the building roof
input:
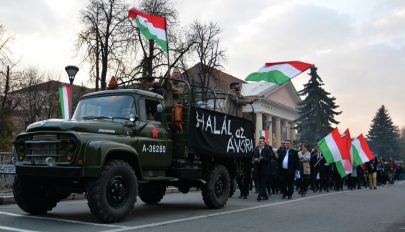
(257, 88)
(219, 79)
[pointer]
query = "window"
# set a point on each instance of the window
(115, 106)
(149, 109)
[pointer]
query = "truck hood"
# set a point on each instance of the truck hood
(89, 126)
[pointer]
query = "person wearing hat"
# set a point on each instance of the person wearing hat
(261, 165)
(112, 84)
(234, 100)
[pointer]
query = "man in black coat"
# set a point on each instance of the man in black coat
(318, 171)
(261, 162)
(288, 161)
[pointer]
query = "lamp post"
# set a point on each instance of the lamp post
(71, 71)
(268, 125)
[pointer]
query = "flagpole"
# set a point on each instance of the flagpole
(168, 57)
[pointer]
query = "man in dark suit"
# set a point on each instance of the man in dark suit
(288, 161)
(261, 162)
(318, 171)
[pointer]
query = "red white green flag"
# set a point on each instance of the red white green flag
(346, 156)
(265, 134)
(279, 72)
(333, 148)
(152, 27)
(361, 151)
(64, 99)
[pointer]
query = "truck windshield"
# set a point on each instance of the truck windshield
(106, 107)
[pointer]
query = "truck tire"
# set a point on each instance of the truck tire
(216, 191)
(184, 188)
(112, 196)
(152, 193)
(31, 195)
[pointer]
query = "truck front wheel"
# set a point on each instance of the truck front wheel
(32, 195)
(216, 191)
(152, 193)
(112, 196)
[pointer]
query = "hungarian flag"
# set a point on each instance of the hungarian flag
(333, 148)
(152, 27)
(346, 156)
(279, 72)
(361, 150)
(64, 99)
(265, 134)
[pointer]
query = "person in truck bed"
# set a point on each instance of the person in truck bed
(234, 100)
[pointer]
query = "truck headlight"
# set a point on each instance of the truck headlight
(20, 147)
(71, 144)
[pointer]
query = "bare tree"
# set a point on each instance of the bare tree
(106, 35)
(207, 50)
(6, 85)
(152, 60)
(5, 40)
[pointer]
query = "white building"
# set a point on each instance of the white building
(275, 110)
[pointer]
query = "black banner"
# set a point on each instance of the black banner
(221, 135)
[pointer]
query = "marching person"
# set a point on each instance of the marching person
(261, 162)
(304, 156)
(319, 177)
(372, 173)
(288, 163)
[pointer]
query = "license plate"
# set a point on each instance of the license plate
(7, 169)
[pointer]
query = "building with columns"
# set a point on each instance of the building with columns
(275, 111)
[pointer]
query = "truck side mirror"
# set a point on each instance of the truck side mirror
(133, 118)
(159, 108)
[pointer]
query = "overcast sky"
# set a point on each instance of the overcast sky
(358, 46)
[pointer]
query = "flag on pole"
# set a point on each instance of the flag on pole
(265, 134)
(279, 72)
(152, 27)
(64, 99)
(332, 147)
(361, 150)
(346, 156)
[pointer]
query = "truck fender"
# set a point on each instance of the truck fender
(98, 153)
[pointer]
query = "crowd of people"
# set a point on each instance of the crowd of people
(286, 170)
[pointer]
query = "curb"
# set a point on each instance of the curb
(8, 197)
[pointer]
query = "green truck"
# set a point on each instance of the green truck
(125, 143)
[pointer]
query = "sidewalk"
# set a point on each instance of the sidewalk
(6, 195)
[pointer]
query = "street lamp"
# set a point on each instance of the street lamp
(268, 125)
(71, 71)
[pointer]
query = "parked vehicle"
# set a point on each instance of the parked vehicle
(125, 143)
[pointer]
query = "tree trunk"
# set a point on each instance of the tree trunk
(6, 90)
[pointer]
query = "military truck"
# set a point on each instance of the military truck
(125, 143)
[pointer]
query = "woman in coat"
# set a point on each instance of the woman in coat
(305, 156)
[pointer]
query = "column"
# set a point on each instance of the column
(270, 129)
(277, 130)
(293, 131)
(287, 129)
(259, 126)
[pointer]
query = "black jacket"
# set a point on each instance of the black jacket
(293, 160)
(264, 166)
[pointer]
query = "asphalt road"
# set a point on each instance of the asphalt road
(360, 210)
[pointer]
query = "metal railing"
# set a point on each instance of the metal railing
(5, 157)
(6, 178)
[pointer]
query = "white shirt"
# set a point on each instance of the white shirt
(285, 160)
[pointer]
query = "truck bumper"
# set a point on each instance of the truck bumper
(49, 171)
